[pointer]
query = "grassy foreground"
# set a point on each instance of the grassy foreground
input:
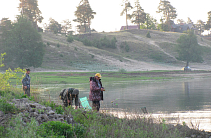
(87, 123)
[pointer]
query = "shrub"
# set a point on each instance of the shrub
(125, 46)
(87, 42)
(50, 104)
(8, 74)
(57, 128)
(113, 42)
(105, 41)
(59, 109)
(148, 35)
(58, 45)
(97, 43)
(122, 70)
(61, 55)
(92, 56)
(18, 130)
(48, 44)
(6, 107)
(70, 39)
(75, 49)
(2, 131)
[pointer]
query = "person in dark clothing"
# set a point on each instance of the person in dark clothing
(96, 91)
(26, 83)
(68, 95)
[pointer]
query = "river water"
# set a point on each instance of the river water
(176, 101)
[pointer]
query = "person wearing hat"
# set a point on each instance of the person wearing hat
(68, 95)
(96, 91)
(26, 83)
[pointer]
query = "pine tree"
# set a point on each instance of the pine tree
(169, 12)
(138, 16)
(84, 14)
(127, 7)
(29, 8)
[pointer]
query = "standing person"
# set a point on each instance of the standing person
(26, 83)
(68, 95)
(96, 91)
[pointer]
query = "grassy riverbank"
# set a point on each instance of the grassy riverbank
(89, 123)
(85, 124)
(83, 77)
(121, 75)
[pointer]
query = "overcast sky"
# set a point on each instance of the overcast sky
(108, 11)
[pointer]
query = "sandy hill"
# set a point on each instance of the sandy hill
(155, 53)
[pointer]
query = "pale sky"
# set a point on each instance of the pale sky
(108, 11)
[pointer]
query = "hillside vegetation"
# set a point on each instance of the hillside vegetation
(155, 53)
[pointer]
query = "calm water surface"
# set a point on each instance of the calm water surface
(177, 101)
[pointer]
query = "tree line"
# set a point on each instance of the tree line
(84, 15)
(23, 44)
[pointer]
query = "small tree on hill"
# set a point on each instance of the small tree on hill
(54, 26)
(66, 25)
(148, 35)
(188, 48)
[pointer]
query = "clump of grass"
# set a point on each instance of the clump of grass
(105, 125)
(58, 45)
(48, 44)
(122, 70)
(17, 129)
(92, 56)
(6, 107)
(70, 38)
(125, 46)
(59, 129)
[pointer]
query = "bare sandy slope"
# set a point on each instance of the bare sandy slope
(78, 54)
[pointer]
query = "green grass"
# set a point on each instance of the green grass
(83, 77)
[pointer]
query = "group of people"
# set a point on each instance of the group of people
(95, 94)
(70, 94)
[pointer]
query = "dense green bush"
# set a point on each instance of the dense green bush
(70, 39)
(113, 42)
(87, 42)
(6, 107)
(58, 45)
(17, 129)
(59, 109)
(148, 35)
(57, 128)
(48, 103)
(99, 43)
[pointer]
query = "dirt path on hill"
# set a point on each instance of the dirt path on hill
(151, 42)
